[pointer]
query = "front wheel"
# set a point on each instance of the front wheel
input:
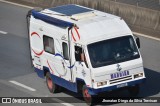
(87, 97)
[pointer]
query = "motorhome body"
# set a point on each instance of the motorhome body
(83, 49)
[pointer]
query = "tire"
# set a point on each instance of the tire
(134, 90)
(53, 88)
(86, 96)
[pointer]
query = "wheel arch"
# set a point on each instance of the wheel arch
(80, 83)
(45, 69)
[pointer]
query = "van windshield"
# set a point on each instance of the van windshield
(112, 51)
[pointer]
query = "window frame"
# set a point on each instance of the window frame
(78, 54)
(48, 37)
(64, 56)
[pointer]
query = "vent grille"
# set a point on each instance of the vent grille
(120, 79)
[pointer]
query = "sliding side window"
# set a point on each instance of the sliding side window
(48, 43)
(65, 50)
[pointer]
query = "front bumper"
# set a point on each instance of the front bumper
(93, 91)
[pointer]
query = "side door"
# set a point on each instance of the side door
(52, 61)
(81, 70)
(66, 72)
(57, 57)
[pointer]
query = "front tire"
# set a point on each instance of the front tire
(87, 97)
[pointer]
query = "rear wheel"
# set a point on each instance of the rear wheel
(53, 88)
(134, 90)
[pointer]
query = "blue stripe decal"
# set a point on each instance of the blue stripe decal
(57, 54)
(96, 91)
(51, 20)
(73, 86)
(64, 83)
(70, 67)
(57, 80)
(39, 72)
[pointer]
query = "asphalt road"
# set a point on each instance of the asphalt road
(15, 63)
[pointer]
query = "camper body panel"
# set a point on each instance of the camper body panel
(56, 64)
(55, 49)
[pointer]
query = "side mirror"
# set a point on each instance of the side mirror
(138, 42)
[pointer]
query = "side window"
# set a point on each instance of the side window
(65, 50)
(48, 43)
(78, 51)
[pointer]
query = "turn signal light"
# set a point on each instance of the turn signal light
(138, 75)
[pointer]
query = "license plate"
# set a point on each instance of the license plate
(122, 85)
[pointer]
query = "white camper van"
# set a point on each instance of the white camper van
(86, 50)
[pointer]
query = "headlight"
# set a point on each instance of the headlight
(138, 75)
(101, 83)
